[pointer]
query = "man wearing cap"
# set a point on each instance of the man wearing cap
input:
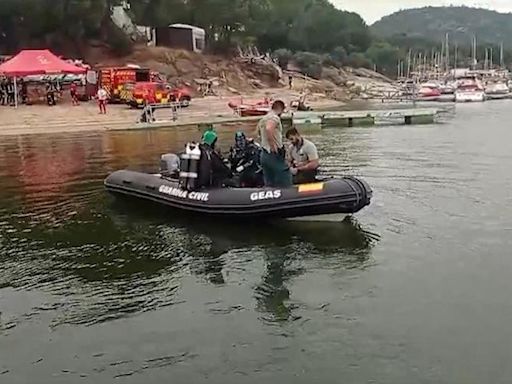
(212, 170)
(276, 171)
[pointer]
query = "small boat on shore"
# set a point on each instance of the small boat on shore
(327, 200)
(250, 108)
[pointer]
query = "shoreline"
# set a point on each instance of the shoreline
(65, 118)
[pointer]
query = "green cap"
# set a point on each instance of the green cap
(209, 137)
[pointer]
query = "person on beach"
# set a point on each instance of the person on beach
(73, 92)
(10, 92)
(3, 91)
(276, 172)
(302, 157)
(102, 100)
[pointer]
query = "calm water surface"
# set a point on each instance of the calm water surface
(415, 289)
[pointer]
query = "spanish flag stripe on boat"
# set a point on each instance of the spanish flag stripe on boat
(311, 188)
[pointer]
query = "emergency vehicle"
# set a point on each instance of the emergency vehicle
(114, 79)
(144, 93)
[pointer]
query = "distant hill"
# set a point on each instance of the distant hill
(460, 22)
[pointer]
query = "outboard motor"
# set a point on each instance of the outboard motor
(170, 165)
(189, 166)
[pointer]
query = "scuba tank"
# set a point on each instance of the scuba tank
(184, 165)
(193, 172)
(189, 166)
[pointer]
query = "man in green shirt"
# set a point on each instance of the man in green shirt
(276, 171)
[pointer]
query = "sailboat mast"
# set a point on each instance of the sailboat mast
(447, 53)
(456, 54)
(409, 64)
(475, 61)
(502, 64)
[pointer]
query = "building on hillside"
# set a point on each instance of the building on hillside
(182, 36)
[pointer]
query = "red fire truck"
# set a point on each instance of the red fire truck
(114, 79)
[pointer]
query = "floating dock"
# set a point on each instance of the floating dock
(316, 119)
(407, 116)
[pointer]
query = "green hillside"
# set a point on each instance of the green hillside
(460, 22)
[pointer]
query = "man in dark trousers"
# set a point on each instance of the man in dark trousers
(276, 172)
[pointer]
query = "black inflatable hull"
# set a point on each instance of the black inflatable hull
(334, 196)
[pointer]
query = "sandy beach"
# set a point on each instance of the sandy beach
(40, 119)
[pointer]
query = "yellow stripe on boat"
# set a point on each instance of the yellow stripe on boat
(313, 187)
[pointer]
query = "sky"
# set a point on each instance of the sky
(373, 10)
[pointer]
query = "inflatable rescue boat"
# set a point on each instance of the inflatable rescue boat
(331, 199)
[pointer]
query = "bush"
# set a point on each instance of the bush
(327, 61)
(119, 42)
(309, 63)
(339, 56)
(283, 57)
(359, 60)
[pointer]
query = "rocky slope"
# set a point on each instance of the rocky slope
(242, 76)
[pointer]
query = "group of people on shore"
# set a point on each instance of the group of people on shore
(269, 163)
(12, 93)
(7, 92)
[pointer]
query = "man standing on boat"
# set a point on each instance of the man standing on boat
(276, 172)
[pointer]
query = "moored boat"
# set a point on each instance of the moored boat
(497, 91)
(469, 89)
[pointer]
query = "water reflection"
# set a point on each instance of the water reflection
(130, 259)
(284, 246)
(100, 258)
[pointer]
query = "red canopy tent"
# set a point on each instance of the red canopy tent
(37, 62)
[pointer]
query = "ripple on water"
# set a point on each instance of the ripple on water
(102, 260)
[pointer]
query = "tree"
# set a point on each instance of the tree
(309, 63)
(358, 60)
(283, 57)
(384, 56)
(339, 56)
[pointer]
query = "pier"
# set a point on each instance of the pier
(315, 119)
